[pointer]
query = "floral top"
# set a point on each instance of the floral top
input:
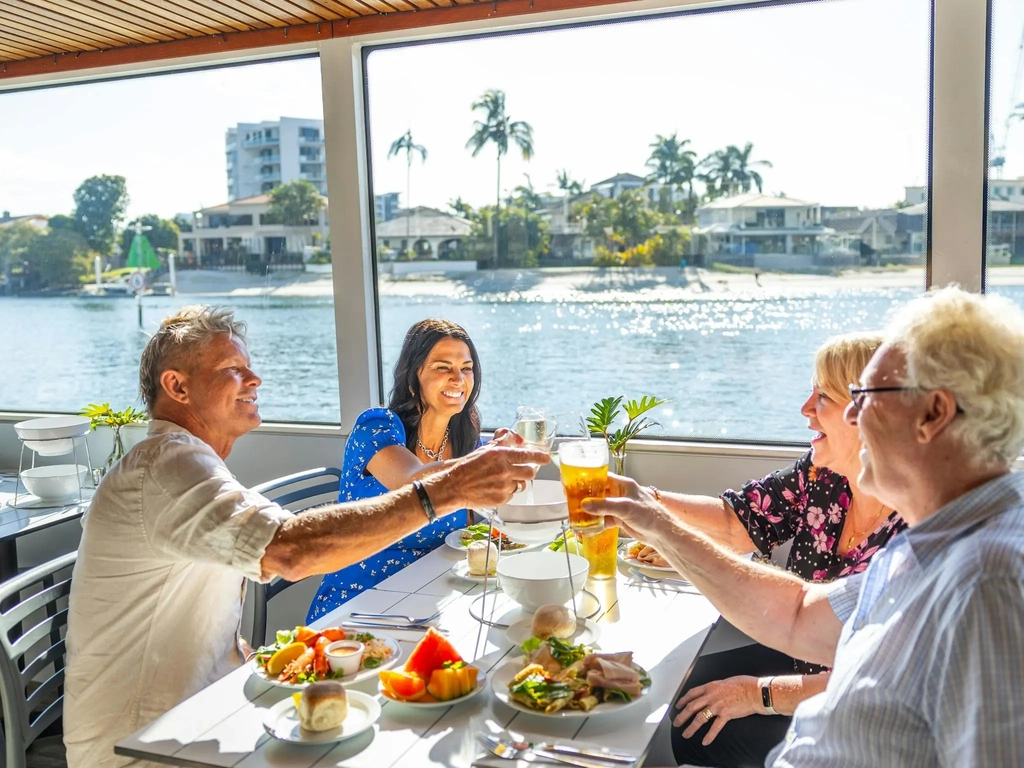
(374, 430)
(807, 504)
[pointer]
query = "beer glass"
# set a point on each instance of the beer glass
(601, 550)
(584, 467)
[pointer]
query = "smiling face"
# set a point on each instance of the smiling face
(446, 378)
(835, 443)
(221, 390)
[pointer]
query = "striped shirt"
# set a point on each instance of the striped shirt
(929, 669)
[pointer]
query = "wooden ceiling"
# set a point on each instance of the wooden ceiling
(44, 36)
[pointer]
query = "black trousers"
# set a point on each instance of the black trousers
(743, 743)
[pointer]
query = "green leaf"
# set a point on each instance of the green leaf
(531, 645)
(371, 663)
(647, 402)
(603, 414)
(284, 637)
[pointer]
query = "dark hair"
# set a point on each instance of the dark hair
(406, 400)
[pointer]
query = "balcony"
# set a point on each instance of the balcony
(260, 141)
(274, 158)
(312, 176)
(310, 138)
(269, 175)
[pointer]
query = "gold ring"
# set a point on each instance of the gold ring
(708, 715)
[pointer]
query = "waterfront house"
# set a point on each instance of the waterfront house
(767, 232)
(886, 236)
(242, 231)
(428, 232)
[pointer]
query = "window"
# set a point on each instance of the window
(1004, 251)
(169, 177)
(628, 254)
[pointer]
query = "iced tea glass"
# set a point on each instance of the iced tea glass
(584, 468)
(601, 551)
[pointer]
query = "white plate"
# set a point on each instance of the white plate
(454, 540)
(587, 632)
(503, 676)
(362, 674)
(633, 562)
(460, 570)
(282, 721)
(481, 684)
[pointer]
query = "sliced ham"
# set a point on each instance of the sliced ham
(591, 660)
(543, 657)
(615, 676)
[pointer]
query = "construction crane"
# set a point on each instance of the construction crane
(1015, 114)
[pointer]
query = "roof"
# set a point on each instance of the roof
(37, 220)
(424, 222)
(45, 37)
(755, 200)
(619, 178)
(243, 201)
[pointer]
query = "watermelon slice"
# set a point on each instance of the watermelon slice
(431, 653)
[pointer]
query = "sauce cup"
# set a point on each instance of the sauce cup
(344, 656)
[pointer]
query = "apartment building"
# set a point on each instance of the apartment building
(260, 156)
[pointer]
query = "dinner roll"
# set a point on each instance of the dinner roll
(553, 621)
(478, 558)
(323, 706)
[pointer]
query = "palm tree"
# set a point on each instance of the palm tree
(728, 171)
(406, 144)
(671, 163)
(496, 127)
(569, 185)
(743, 175)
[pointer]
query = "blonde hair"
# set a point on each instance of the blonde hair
(973, 347)
(178, 341)
(840, 361)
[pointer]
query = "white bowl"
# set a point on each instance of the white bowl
(52, 436)
(346, 662)
(546, 505)
(534, 579)
(55, 483)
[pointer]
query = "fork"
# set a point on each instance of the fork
(506, 751)
(651, 580)
(407, 619)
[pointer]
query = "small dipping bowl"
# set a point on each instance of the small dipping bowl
(344, 656)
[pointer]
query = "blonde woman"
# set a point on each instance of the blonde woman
(835, 529)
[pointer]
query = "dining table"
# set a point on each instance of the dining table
(664, 624)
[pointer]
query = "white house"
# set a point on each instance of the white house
(428, 232)
(223, 234)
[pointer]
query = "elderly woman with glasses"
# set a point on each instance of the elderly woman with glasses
(737, 704)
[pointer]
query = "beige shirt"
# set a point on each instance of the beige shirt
(156, 596)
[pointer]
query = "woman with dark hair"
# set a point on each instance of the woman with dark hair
(431, 419)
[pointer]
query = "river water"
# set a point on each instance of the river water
(736, 367)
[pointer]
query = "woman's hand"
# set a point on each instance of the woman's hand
(728, 699)
(633, 507)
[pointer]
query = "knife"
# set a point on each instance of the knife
(404, 627)
(621, 758)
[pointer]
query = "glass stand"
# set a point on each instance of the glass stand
(34, 502)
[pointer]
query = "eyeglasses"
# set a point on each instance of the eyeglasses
(857, 394)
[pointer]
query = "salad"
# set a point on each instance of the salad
(297, 655)
(481, 531)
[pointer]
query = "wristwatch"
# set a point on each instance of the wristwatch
(765, 684)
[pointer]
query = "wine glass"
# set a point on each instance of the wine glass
(537, 430)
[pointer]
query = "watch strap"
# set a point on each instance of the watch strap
(765, 684)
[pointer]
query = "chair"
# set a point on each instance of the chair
(295, 493)
(33, 621)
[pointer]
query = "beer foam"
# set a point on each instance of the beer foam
(585, 454)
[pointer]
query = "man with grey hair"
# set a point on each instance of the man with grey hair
(926, 644)
(156, 596)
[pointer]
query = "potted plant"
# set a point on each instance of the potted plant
(105, 416)
(604, 413)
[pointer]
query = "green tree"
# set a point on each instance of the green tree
(100, 205)
(730, 171)
(162, 233)
(527, 197)
(673, 165)
(499, 129)
(461, 208)
(59, 258)
(569, 185)
(404, 143)
(620, 226)
(182, 223)
(744, 175)
(62, 222)
(15, 239)
(294, 204)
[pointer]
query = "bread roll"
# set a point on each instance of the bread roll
(478, 558)
(323, 706)
(553, 621)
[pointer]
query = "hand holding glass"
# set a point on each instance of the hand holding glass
(537, 431)
(584, 467)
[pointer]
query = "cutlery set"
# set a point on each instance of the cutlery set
(564, 754)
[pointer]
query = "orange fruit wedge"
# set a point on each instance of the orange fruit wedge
(284, 657)
(401, 685)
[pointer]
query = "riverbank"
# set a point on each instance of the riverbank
(568, 284)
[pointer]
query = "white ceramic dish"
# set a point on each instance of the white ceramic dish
(363, 674)
(460, 570)
(53, 435)
(503, 676)
(547, 504)
(344, 656)
(57, 482)
(454, 540)
(632, 562)
(481, 684)
(541, 578)
(282, 721)
(587, 632)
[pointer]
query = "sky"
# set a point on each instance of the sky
(833, 94)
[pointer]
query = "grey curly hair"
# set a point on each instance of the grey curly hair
(972, 346)
(178, 341)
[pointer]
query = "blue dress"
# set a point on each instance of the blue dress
(375, 429)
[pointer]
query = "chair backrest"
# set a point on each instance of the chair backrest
(297, 493)
(33, 623)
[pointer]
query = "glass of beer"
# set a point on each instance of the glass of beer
(584, 467)
(601, 551)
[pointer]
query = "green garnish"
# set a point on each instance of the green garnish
(622, 695)
(284, 637)
(371, 663)
(531, 645)
(365, 637)
(540, 690)
(566, 654)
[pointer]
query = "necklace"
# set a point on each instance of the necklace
(856, 535)
(434, 455)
